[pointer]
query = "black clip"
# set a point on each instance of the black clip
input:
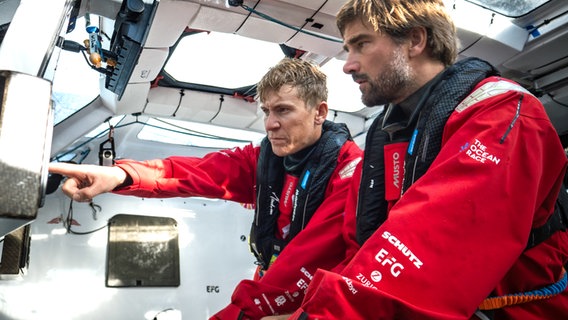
(106, 150)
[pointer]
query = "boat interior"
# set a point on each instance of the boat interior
(92, 81)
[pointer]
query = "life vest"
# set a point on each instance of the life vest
(373, 207)
(308, 195)
(423, 135)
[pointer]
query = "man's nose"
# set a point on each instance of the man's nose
(351, 65)
(271, 122)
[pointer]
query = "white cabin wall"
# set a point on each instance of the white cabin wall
(66, 274)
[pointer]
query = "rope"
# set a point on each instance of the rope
(523, 297)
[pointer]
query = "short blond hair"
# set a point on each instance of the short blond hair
(309, 81)
(397, 17)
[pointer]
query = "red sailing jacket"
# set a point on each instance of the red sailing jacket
(459, 232)
(231, 175)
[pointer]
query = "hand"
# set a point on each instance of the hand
(87, 181)
(281, 317)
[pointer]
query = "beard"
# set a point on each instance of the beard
(390, 84)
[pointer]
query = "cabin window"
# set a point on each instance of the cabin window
(226, 61)
(343, 92)
(180, 132)
(75, 83)
(196, 134)
(221, 59)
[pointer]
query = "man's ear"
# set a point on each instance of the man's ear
(418, 41)
(321, 112)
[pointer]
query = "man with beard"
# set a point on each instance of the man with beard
(460, 177)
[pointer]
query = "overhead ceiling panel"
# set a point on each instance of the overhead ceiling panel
(214, 19)
(280, 11)
(193, 105)
(324, 23)
(315, 44)
(235, 113)
(330, 7)
(162, 101)
(309, 4)
(261, 29)
(275, 19)
(171, 19)
(320, 35)
(324, 10)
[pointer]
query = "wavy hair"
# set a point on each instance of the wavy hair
(309, 81)
(397, 17)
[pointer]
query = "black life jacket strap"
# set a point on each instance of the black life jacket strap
(558, 221)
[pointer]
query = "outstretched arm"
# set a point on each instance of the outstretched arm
(87, 181)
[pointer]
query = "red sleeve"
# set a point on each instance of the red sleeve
(226, 174)
(350, 220)
(454, 235)
(320, 245)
